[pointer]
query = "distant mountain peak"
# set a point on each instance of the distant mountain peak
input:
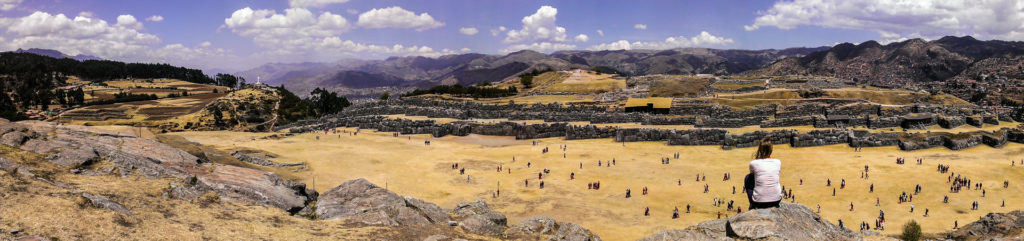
(56, 54)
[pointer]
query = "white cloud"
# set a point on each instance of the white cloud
(640, 26)
(582, 38)
(79, 35)
(128, 21)
(465, 50)
(600, 33)
(499, 30)
(205, 44)
(299, 35)
(704, 39)
(468, 31)
(83, 13)
(313, 3)
(155, 18)
(541, 47)
(8, 4)
(92, 36)
(539, 27)
(897, 19)
(297, 30)
(396, 17)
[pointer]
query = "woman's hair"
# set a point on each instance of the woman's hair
(764, 150)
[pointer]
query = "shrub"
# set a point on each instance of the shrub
(911, 231)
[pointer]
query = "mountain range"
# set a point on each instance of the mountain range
(368, 78)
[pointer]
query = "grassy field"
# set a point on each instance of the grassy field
(160, 87)
(424, 172)
(583, 82)
(679, 86)
(128, 113)
(874, 95)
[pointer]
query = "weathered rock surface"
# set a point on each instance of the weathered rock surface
(551, 229)
(75, 147)
(787, 222)
(103, 202)
(994, 226)
(477, 218)
(260, 160)
(361, 201)
(246, 185)
(13, 138)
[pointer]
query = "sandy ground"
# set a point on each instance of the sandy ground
(407, 166)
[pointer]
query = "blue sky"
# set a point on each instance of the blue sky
(235, 34)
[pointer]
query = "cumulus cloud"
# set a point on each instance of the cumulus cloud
(313, 3)
(704, 39)
(539, 27)
(468, 31)
(600, 33)
(297, 29)
(83, 34)
(8, 4)
(465, 50)
(155, 18)
(300, 34)
(396, 17)
(128, 21)
(896, 19)
(582, 38)
(542, 47)
(640, 26)
(205, 44)
(79, 34)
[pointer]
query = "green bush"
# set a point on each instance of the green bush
(911, 231)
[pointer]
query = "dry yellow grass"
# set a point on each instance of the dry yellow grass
(409, 167)
(680, 86)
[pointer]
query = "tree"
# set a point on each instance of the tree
(911, 231)
(226, 80)
(326, 102)
(526, 80)
(385, 96)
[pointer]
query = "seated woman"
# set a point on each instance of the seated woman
(762, 184)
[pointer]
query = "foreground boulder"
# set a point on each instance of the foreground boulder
(361, 201)
(477, 218)
(74, 146)
(787, 222)
(245, 185)
(553, 230)
(994, 226)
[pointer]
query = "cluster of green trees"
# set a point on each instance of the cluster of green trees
(98, 70)
(124, 97)
(321, 102)
(527, 78)
(71, 97)
(229, 80)
(471, 91)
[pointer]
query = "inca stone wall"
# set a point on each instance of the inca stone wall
(707, 117)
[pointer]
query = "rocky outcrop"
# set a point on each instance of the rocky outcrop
(246, 185)
(76, 147)
(994, 226)
(260, 159)
(103, 202)
(477, 218)
(787, 222)
(551, 229)
(363, 202)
